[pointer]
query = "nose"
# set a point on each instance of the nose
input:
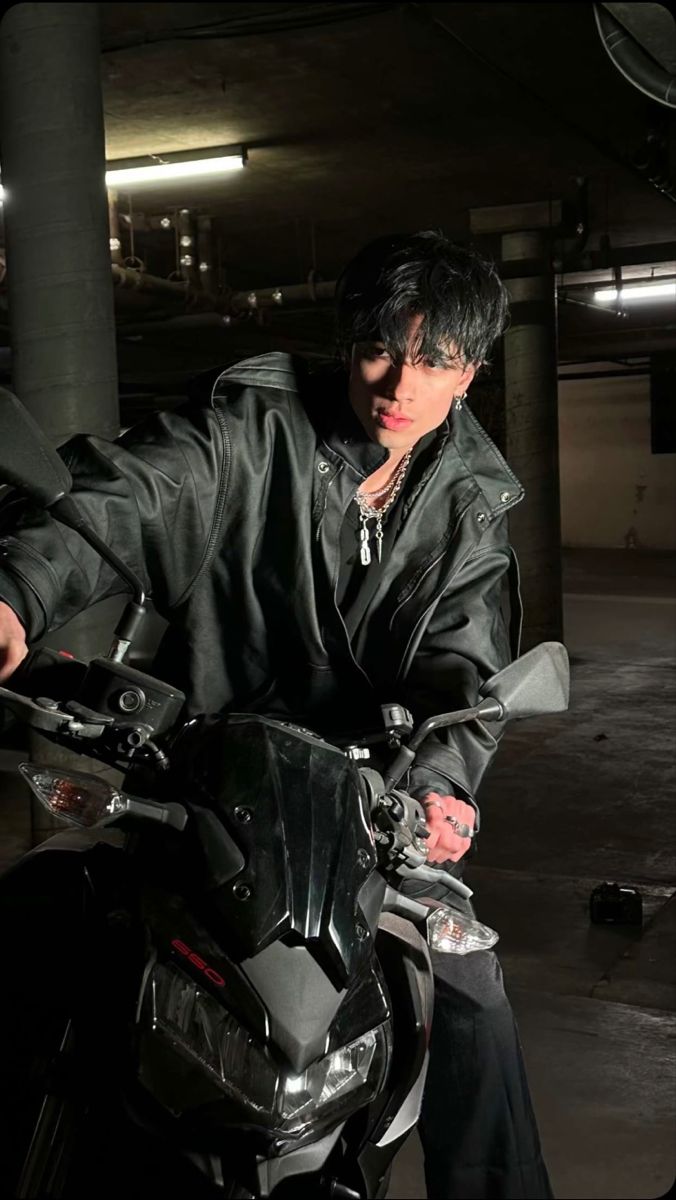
(400, 383)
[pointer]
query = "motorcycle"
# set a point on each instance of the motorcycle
(214, 982)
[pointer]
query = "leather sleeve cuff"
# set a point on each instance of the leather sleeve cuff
(26, 607)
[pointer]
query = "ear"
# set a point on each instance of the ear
(466, 378)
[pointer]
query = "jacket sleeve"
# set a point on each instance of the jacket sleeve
(466, 642)
(152, 495)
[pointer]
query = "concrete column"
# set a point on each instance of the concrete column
(532, 436)
(59, 281)
(56, 218)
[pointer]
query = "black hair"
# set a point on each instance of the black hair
(462, 301)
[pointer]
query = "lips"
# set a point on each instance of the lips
(389, 421)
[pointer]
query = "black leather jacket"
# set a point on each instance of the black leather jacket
(230, 510)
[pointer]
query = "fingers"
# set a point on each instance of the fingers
(443, 815)
(449, 848)
(11, 655)
(465, 814)
(439, 808)
(13, 648)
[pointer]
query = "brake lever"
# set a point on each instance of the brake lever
(39, 716)
(434, 875)
(46, 715)
(87, 715)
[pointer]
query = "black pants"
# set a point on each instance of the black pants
(477, 1124)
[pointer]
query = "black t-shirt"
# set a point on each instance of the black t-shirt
(357, 583)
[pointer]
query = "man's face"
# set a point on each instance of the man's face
(399, 405)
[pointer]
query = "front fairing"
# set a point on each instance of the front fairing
(294, 808)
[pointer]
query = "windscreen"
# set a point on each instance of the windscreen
(293, 805)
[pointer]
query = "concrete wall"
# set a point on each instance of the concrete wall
(614, 492)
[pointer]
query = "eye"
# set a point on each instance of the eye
(375, 350)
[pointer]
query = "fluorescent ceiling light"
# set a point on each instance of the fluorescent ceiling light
(160, 172)
(651, 291)
(163, 168)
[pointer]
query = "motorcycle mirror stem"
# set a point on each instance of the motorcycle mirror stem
(488, 709)
(66, 511)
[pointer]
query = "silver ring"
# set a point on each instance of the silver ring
(461, 829)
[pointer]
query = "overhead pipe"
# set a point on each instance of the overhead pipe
(140, 281)
(230, 302)
(154, 289)
(280, 297)
(429, 13)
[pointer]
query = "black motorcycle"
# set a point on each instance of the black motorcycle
(213, 984)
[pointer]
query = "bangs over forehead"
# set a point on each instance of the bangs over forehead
(458, 295)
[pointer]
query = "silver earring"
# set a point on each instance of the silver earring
(459, 398)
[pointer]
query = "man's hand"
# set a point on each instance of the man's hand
(447, 817)
(13, 648)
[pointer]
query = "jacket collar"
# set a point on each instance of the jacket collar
(340, 429)
(460, 434)
(497, 483)
(322, 389)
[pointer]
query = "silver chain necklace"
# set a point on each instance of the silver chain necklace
(368, 513)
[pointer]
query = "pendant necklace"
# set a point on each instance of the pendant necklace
(368, 513)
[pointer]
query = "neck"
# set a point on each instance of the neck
(395, 457)
(382, 476)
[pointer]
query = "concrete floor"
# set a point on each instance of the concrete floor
(573, 801)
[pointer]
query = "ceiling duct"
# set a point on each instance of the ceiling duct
(640, 40)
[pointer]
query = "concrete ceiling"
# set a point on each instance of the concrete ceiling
(395, 117)
(362, 119)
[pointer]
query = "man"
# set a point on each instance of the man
(322, 542)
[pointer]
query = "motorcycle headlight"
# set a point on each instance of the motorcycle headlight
(199, 1028)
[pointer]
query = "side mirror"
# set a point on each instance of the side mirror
(533, 685)
(28, 460)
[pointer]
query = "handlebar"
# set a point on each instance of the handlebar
(113, 708)
(400, 830)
